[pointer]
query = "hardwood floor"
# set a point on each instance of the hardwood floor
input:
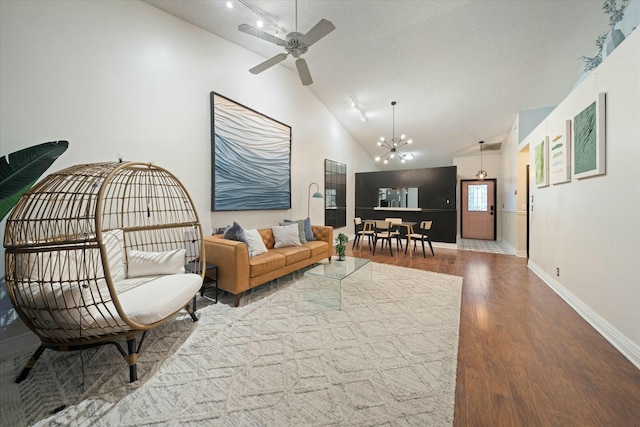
(525, 357)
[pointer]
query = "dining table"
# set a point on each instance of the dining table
(408, 225)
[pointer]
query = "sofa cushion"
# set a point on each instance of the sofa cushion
(143, 263)
(266, 263)
(300, 223)
(293, 254)
(306, 225)
(256, 245)
(317, 247)
(267, 237)
(235, 232)
(286, 235)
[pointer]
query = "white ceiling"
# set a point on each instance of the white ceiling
(459, 70)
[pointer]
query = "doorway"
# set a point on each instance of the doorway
(478, 213)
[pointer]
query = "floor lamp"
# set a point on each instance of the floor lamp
(316, 195)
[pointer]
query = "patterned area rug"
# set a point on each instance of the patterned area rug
(387, 357)
(490, 246)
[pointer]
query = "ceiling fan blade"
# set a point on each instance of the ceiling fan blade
(268, 63)
(321, 29)
(246, 28)
(303, 72)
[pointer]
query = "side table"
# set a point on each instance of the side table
(196, 269)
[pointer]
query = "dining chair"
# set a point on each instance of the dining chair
(362, 229)
(382, 231)
(423, 235)
(395, 233)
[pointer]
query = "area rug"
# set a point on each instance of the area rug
(386, 357)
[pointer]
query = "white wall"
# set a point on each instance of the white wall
(590, 228)
(122, 77)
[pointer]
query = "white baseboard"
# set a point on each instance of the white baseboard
(627, 347)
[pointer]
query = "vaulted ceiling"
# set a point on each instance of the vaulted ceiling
(459, 70)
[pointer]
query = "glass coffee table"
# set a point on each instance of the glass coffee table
(323, 283)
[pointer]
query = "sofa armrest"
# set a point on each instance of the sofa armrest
(232, 259)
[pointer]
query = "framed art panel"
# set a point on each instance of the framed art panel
(251, 159)
(588, 148)
(560, 154)
(335, 187)
(541, 153)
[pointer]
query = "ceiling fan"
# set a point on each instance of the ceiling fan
(295, 44)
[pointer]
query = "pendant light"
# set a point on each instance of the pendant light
(393, 146)
(482, 174)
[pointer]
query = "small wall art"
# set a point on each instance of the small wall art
(250, 158)
(560, 153)
(541, 153)
(588, 148)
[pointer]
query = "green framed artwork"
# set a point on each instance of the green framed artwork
(541, 153)
(588, 148)
(560, 153)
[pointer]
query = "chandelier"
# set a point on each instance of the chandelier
(395, 144)
(482, 174)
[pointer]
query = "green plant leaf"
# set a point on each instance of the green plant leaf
(21, 169)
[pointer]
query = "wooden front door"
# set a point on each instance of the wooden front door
(478, 209)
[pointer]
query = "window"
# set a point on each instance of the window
(477, 198)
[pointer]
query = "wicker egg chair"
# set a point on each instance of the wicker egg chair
(97, 252)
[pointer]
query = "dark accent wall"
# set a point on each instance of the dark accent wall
(436, 197)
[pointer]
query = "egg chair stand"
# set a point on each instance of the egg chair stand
(97, 252)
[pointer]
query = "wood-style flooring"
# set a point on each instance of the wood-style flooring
(525, 357)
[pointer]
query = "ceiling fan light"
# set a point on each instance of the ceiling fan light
(377, 158)
(382, 138)
(379, 144)
(402, 136)
(481, 175)
(386, 161)
(392, 155)
(410, 141)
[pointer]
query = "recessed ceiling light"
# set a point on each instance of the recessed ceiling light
(259, 23)
(230, 4)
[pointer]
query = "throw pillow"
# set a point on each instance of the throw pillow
(235, 232)
(143, 263)
(256, 245)
(286, 235)
(308, 232)
(300, 228)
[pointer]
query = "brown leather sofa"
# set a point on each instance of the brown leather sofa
(237, 273)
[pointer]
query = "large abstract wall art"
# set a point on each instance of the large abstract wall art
(588, 148)
(559, 153)
(251, 159)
